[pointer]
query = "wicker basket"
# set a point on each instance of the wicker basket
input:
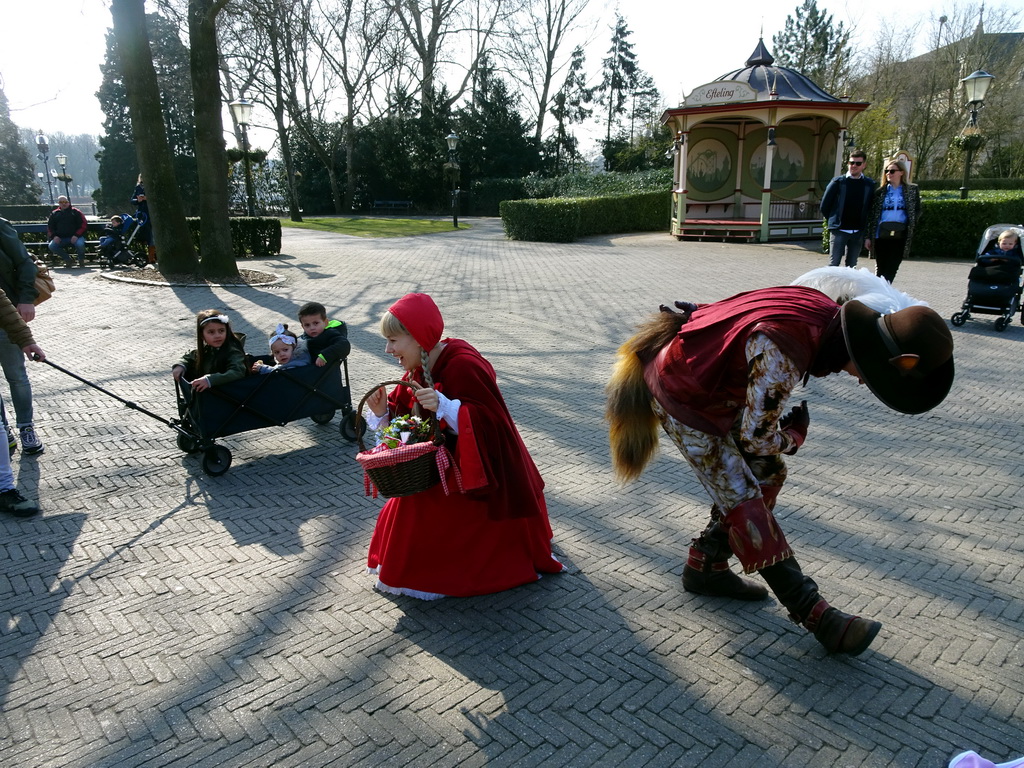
(407, 469)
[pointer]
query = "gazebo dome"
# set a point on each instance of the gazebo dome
(770, 81)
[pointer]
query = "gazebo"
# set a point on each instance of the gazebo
(754, 151)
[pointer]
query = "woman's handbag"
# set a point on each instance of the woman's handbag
(407, 469)
(891, 229)
(44, 283)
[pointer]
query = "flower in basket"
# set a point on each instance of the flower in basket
(404, 430)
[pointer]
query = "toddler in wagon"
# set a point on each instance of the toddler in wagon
(288, 350)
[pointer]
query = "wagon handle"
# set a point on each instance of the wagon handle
(128, 403)
(438, 438)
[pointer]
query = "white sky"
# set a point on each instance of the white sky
(50, 57)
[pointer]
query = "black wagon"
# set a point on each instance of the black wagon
(259, 401)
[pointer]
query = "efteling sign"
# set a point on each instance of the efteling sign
(721, 92)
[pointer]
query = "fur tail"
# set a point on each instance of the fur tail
(633, 425)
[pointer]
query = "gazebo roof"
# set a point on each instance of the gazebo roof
(770, 81)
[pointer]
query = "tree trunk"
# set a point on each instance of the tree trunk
(217, 257)
(167, 213)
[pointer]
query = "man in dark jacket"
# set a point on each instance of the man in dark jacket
(66, 229)
(17, 281)
(847, 204)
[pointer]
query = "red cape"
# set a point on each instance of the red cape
(493, 537)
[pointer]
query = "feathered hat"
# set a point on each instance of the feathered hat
(901, 348)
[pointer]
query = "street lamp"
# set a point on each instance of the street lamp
(44, 154)
(452, 167)
(976, 86)
(62, 161)
(241, 110)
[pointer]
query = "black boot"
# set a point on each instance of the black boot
(839, 632)
(707, 569)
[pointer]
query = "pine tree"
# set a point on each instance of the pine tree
(496, 140)
(17, 184)
(569, 106)
(814, 46)
(619, 75)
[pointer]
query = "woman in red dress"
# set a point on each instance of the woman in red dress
(494, 533)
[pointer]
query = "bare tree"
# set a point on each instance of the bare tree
(434, 30)
(173, 239)
(354, 46)
(534, 51)
(254, 45)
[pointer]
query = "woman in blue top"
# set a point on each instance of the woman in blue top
(894, 215)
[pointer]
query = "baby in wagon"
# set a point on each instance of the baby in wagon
(288, 350)
(219, 356)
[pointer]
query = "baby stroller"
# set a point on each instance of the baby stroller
(994, 283)
(115, 247)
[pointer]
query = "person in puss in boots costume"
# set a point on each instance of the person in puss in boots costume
(717, 377)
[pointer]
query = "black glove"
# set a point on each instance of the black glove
(796, 423)
(687, 308)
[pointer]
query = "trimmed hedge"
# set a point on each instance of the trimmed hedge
(255, 236)
(973, 185)
(487, 194)
(26, 213)
(563, 220)
(952, 228)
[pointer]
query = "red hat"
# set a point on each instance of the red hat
(421, 318)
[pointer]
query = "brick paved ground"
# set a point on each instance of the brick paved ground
(155, 616)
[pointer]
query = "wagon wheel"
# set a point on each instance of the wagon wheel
(216, 461)
(323, 418)
(187, 443)
(348, 428)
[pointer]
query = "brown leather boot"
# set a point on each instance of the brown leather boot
(707, 569)
(840, 632)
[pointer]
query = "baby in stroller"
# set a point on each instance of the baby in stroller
(993, 285)
(114, 250)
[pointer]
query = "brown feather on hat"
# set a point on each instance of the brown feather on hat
(905, 358)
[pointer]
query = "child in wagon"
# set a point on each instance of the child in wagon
(219, 356)
(288, 350)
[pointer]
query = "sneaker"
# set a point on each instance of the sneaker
(13, 503)
(12, 443)
(30, 442)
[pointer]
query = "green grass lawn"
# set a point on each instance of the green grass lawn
(375, 227)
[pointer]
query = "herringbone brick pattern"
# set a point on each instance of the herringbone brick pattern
(154, 616)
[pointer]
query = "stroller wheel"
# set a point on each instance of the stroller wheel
(958, 319)
(348, 427)
(323, 418)
(1001, 323)
(216, 461)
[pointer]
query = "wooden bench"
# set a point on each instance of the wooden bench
(41, 248)
(392, 206)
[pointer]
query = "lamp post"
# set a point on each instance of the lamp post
(241, 109)
(62, 161)
(976, 86)
(452, 167)
(44, 154)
